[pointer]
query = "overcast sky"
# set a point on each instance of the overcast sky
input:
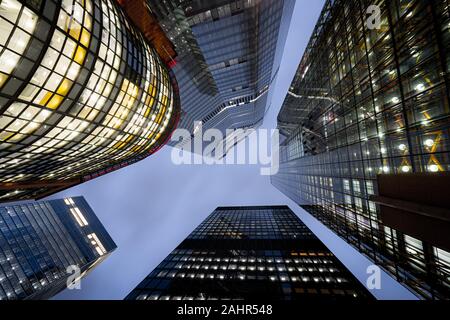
(150, 207)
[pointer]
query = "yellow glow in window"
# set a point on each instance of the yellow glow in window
(149, 102)
(121, 144)
(85, 38)
(64, 87)
(136, 148)
(3, 78)
(45, 98)
(75, 30)
(87, 21)
(147, 112)
(5, 135)
(17, 137)
(79, 56)
(54, 102)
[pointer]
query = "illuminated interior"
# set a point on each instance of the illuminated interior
(363, 105)
(239, 253)
(49, 244)
(96, 243)
(95, 96)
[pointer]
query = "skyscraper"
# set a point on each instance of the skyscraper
(44, 243)
(366, 135)
(249, 253)
(225, 60)
(82, 93)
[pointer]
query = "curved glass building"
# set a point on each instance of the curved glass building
(229, 53)
(81, 94)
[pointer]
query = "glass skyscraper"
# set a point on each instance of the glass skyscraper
(365, 130)
(82, 93)
(249, 253)
(40, 240)
(225, 60)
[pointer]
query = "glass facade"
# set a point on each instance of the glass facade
(249, 253)
(40, 240)
(225, 64)
(81, 93)
(367, 102)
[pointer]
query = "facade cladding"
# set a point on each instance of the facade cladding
(250, 253)
(226, 52)
(81, 94)
(366, 103)
(40, 240)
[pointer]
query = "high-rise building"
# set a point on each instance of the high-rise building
(45, 245)
(249, 253)
(82, 93)
(366, 135)
(225, 60)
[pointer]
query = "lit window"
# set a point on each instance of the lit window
(346, 185)
(95, 241)
(79, 217)
(369, 185)
(356, 186)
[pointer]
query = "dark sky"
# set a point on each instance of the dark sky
(150, 207)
